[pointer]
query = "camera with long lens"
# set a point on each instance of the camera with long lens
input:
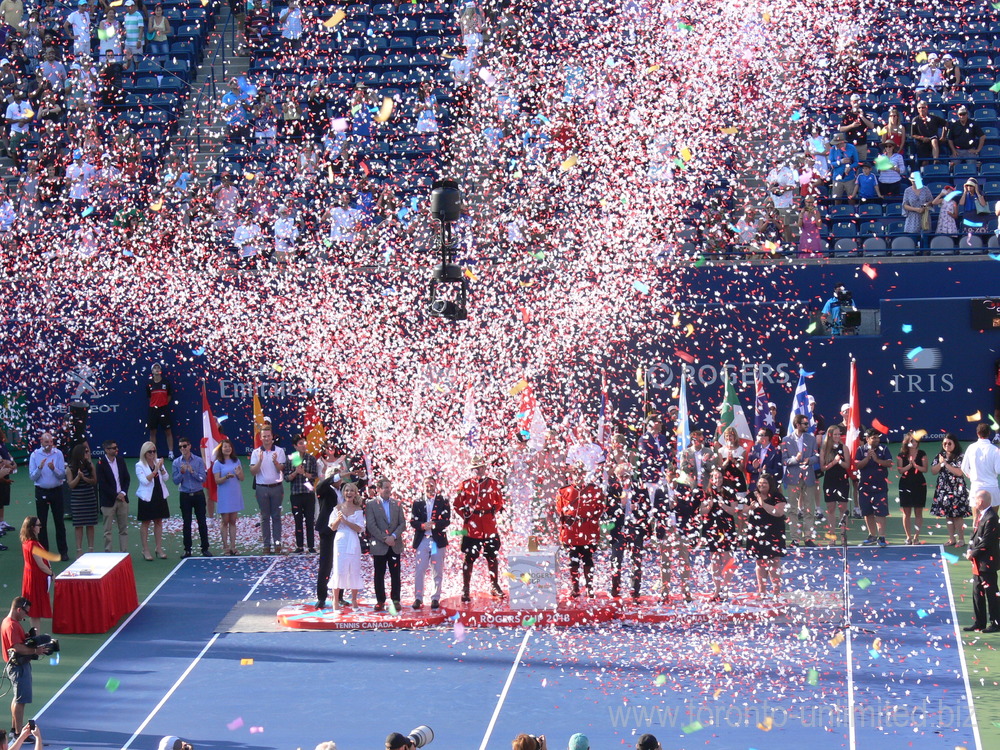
(422, 735)
(39, 640)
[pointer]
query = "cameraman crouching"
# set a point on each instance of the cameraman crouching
(18, 656)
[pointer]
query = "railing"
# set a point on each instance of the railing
(217, 67)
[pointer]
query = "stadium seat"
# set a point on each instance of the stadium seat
(875, 246)
(841, 212)
(844, 246)
(934, 171)
(985, 115)
(869, 210)
(994, 242)
(964, 171)
(894, 226)
(971, 244)
(942, 245)
(871, 228)
(903, 246)
(979, 81)
(990, 153)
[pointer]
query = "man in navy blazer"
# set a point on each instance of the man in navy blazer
(765, 457)
(984, 553)
(429, 518)
(113, 479)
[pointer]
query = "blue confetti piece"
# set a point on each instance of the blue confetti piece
(918, 180)
(87, 211)
(977, 224)
(222, 419)
(907, 328)
(953, 195)
(912, 354)
(950, 557)
(874, 654)
(921, 613)
(994, 256)
(640, 287)
(434, 548)
(403, 212)
(198, 351)
(796, 115)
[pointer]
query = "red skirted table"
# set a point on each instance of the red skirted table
(94, 593)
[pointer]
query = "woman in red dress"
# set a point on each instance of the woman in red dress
(34, 581)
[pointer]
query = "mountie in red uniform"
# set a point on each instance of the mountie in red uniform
(579, 508)
(478, 501)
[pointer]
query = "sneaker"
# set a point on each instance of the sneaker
(496, 592)
(856, 513)
(170, 455)
(435, 604)
(820, 517)
(3, 548)
(882, 542)
(868, 542)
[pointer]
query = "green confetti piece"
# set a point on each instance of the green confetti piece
(606, 527)
(112, 685)
(813, 677)
(392, 609)
(864, 583)
(812, 328)
(458, 532)
(700, 262)
(660, 680)
(694, 726)
(804, 634)
(685, 27)
(527, 622)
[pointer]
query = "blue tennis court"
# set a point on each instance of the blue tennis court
(757, 683)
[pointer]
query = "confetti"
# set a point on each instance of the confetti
(112, 685)
(246, 662)
(235, 724)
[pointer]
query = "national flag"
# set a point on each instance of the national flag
(530, 420)
(470, 423)
(800, 404)
(314, 430)
(762, 413)
(853, 417)
(211, 437)
(731, 412)
(683, 419)
(258, 418)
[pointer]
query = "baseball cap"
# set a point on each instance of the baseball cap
(77, 153)
(845, 407)
(855, 98)
(963, 109)
(579, 742)
(5, 61)
(647, 742)
(171, 742)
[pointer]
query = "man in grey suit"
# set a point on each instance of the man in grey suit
(385, 523)
(797, 453)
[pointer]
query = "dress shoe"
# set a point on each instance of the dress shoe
(435, 604)
(992, 629)
(65, 558)
(496, 591)
(397, 606)
(810, 543)
(312, 551)
(207, 553)
(466, 598)
(379, 606)
(417, 604)
(187, 554)
(298, 550)
(319, 604)
(973, 629)
(3, 548)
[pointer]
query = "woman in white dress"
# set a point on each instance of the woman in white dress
(348, 520)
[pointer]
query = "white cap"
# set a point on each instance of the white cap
(845, 407)
(170, 743)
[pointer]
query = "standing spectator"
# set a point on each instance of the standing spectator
(109, 34)
(160, 393)
(965, 138)
(930, 75)
(7, 469)
(35, 576)
(732, 458)
(630, 508)
(478, 501)
(348, 522)
(158, 31)
(927, 131)
(79, 175)
(951, 72)
(426, 109)
(113, 480)
(973, 208)
(19, 116)
(653, 450)
(893, 132)
(835, 463)
(302, 473)
(579, 508)
(984, 554)
(917, 207)
(766, 533)
(890, 177)
(951, 495)
(188, 473)
(981, 464)
(429, 518)
(286, 232)
(797, 452)
(854, 127)
(77, 28)
(948, 215)
(82, 480)
(134, 25)
(872, 461)
(843, 167)
(866, 185)
(810, 221)
(228, 475)
(267, 464)
(291, 25)
(765, 457)
(696, 460)
(328, 495)
(586, 452)
(385, 523)
(912, 465)
(782, 181)
(719, 519)
(47, 469)
(152, 495)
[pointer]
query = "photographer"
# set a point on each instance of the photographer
(30, 730)
(18, 655)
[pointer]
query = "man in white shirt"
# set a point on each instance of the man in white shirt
(19, 115)
(782, 182)
(47, 469)
(77, 28)
(797, 453)
(79, 175)
(981, 464)
(267, 465)
(344, 223)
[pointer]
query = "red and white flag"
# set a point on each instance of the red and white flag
(212, 436)
(853, 417)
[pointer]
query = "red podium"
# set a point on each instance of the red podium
(94, 593)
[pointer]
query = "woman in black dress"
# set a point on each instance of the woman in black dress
(152, 496)
(836, 483)
(82, 480)
(911, 463)
(718, 530)
(766, 532)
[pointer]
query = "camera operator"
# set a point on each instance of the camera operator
(18, 655)
(833, 311)
(419, 737)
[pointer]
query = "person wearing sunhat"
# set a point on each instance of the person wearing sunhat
(478, 501)
(974, 209)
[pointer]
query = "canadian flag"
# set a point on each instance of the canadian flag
(853, 417)
(212, 437)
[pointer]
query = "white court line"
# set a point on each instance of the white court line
(852, 740)
(108, 642)
(506, 687)
(961, 655)
(192, 665)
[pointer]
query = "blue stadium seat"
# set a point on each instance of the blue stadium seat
(979, 81)
(991, 187)
(934, 171)
(904, 246)
(841, 212)
(981, 97)
(894, 226)
(971, 245)
(843, 246)
(964, 171)
(989, 153)
(844, 229)
(870, 209)
(875, 246)
(985, 115)
(183, 51)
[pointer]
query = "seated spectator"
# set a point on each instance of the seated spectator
(948, 216)
(843, 167)
(965, 138)
(973, 209)
(19, 62)
(917, 208)
(930, 75)
(771, 228)
(866, 186)
(426, 109)
(19, 117)
(927, 131)
(893, 131)
(854, 127)
(890, 177)
(811, 177)
(951, 72)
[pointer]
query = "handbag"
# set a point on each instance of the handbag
(925, 221)
(981, 207)
(365, 545)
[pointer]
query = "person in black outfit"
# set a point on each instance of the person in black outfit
(630, 515)
(766, 533)
(430, 538)
(718, 514)
(984, 553)
(676, 527)
(328, 493)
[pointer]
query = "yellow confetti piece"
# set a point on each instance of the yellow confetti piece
(653, 68)
(386, 111)
(830, 537)
(329, 174)
(471, 275)
(569, 163)
(727, 667)
(336, 18)
(729, 131)
(249, 175)
(921, 57)
(717, 693)
(767, 16)
(919, 434)
(974, 417)
(525, 578)
(716, 649)
(510, 575)
(837, 640)
(771, 247)
(766, 725)
(246, 662)
(686, 153)
(278, 368)
(519, 386)
(877, 645)
(156, 206)
(882, 131)
(117, 3)
(689, 329)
